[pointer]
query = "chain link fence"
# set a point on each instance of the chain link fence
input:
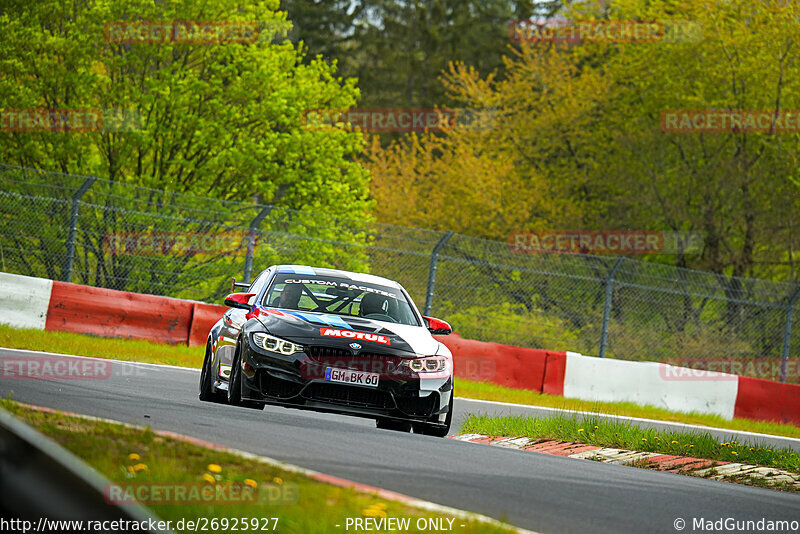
(102, 233)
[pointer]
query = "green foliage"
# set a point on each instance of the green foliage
(218, 119)
(511, 324)
(224, 121)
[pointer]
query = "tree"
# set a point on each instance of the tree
(403, 46)
(219, 119)
(581, 125)
(326, 27)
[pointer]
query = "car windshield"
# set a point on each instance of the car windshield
(340, 296)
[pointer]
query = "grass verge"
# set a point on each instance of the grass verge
(621, 435)
(132, 350)
(493, 392)
(148, 352)
(139, 456)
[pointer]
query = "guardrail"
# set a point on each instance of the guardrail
(39, 479)
(107, 312)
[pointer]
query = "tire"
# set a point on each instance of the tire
(437, 430)
(235, 386)
(392, 424)
(207, 392)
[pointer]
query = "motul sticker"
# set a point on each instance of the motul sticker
(349, 334)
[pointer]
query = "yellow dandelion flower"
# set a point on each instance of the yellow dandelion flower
(735, 453)
(373, 511)
(596, 427)
(580, 430)
(140, 467)
(250, 482)
(277, 480)
(674, 442)
(751, 448)
(214, 468)
(131, 470)
(209, 478)
(134, 457)
(644, 439)
(692, 446)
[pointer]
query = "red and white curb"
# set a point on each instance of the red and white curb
(320, 477)
(712, 469)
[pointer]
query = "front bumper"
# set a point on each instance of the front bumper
(298, 381)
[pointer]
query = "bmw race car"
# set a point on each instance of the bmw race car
(331, 341)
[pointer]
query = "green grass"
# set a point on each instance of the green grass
(145, 351)
(621, 435)
(493, 392)
(302, 505)
(134, 350)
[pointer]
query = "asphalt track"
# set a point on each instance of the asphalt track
(547, 494)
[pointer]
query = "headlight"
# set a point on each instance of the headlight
(276, 344)
(431, 364)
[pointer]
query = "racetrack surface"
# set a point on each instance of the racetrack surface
(544, 493)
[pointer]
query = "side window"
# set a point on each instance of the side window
(258, 284)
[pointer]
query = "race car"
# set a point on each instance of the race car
(331, 341)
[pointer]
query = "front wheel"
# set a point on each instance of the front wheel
(235, 386)
(437, 430)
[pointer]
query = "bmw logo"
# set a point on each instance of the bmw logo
(355, 346)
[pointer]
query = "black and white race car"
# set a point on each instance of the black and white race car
(333, 341)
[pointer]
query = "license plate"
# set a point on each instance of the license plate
(349, 376)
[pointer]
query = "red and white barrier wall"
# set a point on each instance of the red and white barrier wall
(572, 375)
(24, 300)
(27, 302)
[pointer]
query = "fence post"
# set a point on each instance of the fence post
(251, 242)
(73, 226)
(432, 271)
(787, 334)
(607, 306)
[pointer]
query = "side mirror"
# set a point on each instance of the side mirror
(437, 327)
(235, 284)
(239, 300)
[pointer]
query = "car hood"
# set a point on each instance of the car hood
(310, 328)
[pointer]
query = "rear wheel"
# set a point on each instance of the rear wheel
(392, 424)
(438, 430)
(207, 392)
(235, 386)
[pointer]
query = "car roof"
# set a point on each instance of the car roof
(321, 271)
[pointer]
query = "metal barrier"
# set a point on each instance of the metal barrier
(114, 235)
(41, 480)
